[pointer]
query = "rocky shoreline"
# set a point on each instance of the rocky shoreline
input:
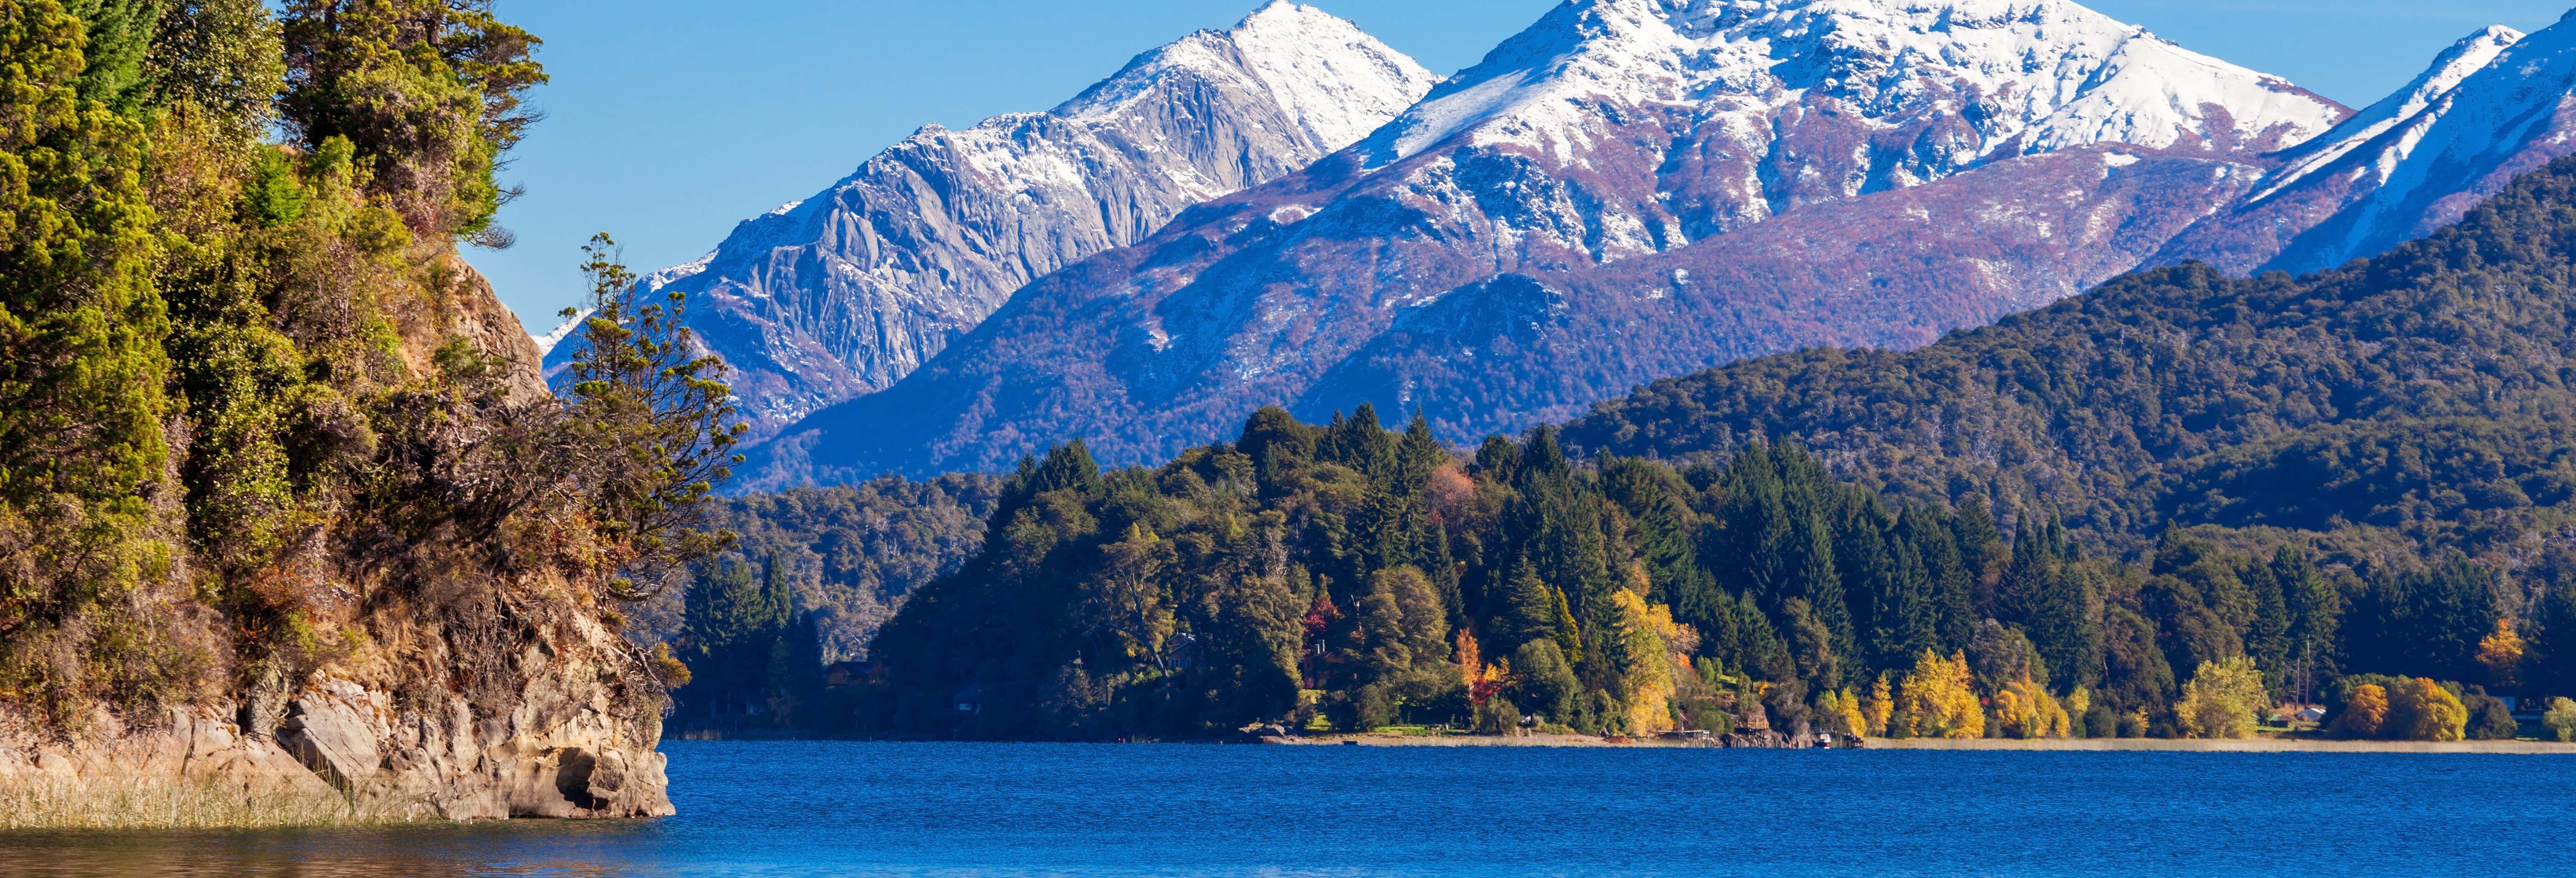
(571, 741)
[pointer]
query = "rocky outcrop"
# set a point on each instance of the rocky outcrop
(575, 743)
(429, 682)
(851, 289)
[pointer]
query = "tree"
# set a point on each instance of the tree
(652, 420)
(1127, 608)
(429, 92)
(2560, 720)
(2421, 710)
(1643, 650)
(2549, 657)
(2364, 714)
(2023, 709)
(1542, 681)
(2223, 700)
(1842, 714)
(1882, 704)
(1938, 699)
(83, 389)
(2501, 653)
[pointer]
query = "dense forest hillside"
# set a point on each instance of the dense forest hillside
(2159, 508)
(2422, 393)
(280, 490)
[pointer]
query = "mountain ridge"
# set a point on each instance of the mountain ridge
(2494, 105)
(1250, 298)
(848, 290)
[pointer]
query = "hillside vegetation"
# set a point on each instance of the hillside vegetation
(2158, 508)
(258, 421)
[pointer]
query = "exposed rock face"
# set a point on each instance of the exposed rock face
(1612, 144)
(573, 742)
(847, 291)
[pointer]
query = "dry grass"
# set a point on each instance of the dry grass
(171, 803)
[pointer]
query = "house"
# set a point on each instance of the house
(851, 673)
(971, 698)
(2310, 714)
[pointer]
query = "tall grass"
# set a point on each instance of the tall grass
(148, 802)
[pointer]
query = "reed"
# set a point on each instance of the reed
(155, 802)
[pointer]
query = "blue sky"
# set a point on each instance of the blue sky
(668, 121)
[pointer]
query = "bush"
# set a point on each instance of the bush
(1498, 715)
(2489, 718)
(2100, 722)
(2560, 722)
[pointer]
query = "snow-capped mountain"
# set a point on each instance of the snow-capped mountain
(1608, 132)
(844, 292)
(2495, 105)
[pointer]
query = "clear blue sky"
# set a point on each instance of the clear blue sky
(668, 121)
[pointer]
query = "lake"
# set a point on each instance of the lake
(855, 808)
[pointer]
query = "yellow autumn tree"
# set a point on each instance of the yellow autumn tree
(1882, 704)
(2364, 714)
(2079, 703)
(2421, 710)
(2223, 700)
(2024, 709)
(2501, 653)
(1938, 699)
(1645, 638)
(1840, 713)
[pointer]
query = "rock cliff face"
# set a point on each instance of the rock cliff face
(426, 689)
(847, 291)
(569, 741)
(1616, 145)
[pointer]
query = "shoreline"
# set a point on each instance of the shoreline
(2173, 745)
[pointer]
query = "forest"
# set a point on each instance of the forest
(2162, 508)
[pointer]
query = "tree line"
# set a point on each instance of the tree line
(2158, 508)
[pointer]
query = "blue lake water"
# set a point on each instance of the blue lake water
(853, 808)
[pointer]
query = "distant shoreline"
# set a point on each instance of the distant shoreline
(2180, 745)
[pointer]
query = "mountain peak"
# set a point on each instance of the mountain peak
(1334, 80)
(842, 293)
(2045, 75)
(2453, 65)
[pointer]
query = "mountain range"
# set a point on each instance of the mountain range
(1633, 189)
(849, 290)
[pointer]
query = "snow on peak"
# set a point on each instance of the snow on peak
(2044, 74)
(2421, 171)
(2408, 104)
(1333, 79)
(546, 343)
(1338, 82)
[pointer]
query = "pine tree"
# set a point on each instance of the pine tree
(2314, 609)
(1982, 548)
(1954, 612)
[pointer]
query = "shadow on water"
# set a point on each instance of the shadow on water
(600, 848)
(849, 808)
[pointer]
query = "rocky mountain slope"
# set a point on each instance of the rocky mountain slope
(1600, 171)
(847, 291)
(2494, 105)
